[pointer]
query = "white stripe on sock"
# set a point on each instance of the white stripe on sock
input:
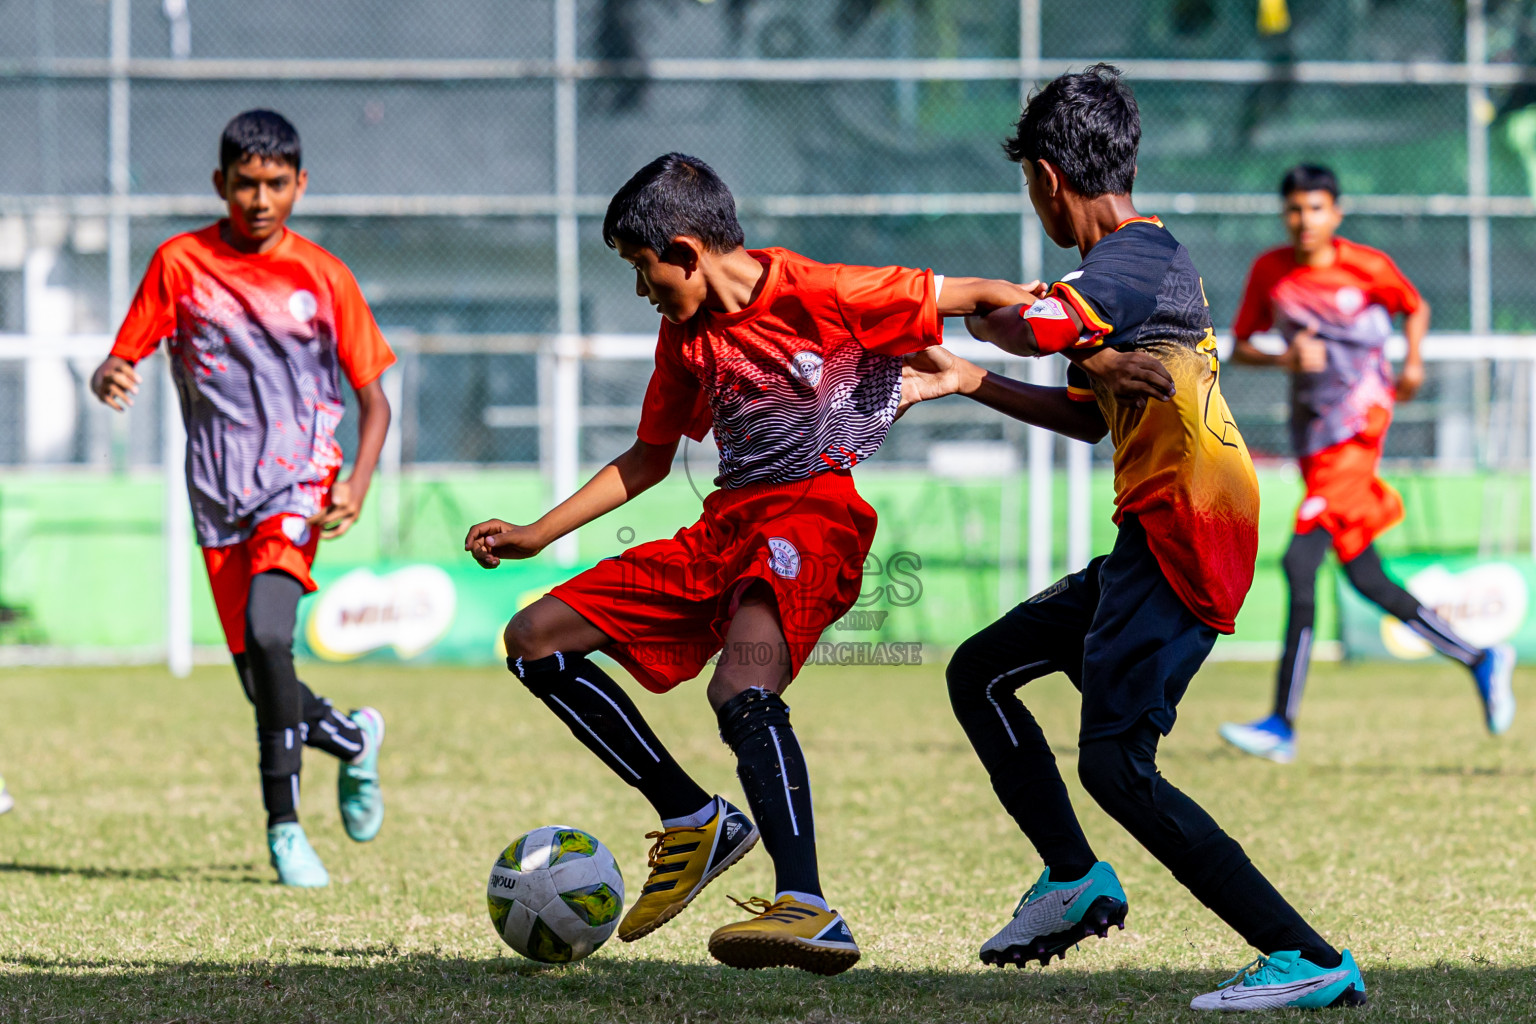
(1435, 628)
(341, 741)
(783, 777)
(998, 707)
(577, 719)
(295, 780)
(600, 693)
(1299, 673)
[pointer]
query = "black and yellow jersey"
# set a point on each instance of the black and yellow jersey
(1181, 466)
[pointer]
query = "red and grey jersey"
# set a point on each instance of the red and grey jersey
(804, 380)
(1349, 305)
(257, 345)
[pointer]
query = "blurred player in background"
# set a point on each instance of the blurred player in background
(1133, 627)
(795, 365)
(6, 800)
(260, 324)
(1333, 301)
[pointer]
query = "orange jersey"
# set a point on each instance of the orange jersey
(1181, 466)
(1349, 304)
(804, 380)
(257, 345)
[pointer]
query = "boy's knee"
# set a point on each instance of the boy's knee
(268, 640)
(1299, 564)
(525, 639)
(969, 670)
(1108, 774)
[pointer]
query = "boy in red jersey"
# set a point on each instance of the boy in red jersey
(1131, 629)
(1333, 301)
(260, 324)
(796, 367)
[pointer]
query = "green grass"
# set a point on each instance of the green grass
(134, 884)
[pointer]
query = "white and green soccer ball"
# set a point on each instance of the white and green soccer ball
(555, 894)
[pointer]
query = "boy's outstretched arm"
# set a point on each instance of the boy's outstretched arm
(346, 497)
(978, 296)
(934, 372)
(637, 470)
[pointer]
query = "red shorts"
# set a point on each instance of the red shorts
(1344, 494)
(667, 603)
(283, 542)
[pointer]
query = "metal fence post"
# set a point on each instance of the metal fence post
(565, 447)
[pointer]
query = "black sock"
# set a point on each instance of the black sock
(755, 724)
(1365, 571)
(1302, 559)
(600, 714)
(270, 612)
(984, 677)
(327, 729)
(281, 759)
(1121, 774)
(338, 736)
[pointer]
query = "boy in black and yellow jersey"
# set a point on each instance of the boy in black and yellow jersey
(1132, 628)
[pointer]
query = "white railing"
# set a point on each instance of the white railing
(560, 416)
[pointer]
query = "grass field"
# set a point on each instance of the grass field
(134, 884)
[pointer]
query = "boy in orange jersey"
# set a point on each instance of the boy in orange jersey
(260, 324)
(1333, 301)
(795, 365)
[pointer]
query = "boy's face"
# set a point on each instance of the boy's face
(674, 283)
(260, 192)
(1046, 195)
(1311, 218)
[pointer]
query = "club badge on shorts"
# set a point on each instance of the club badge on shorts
(783, 558)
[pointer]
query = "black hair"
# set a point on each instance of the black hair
(1087, 124)
(263, 133)
(673, 195)
(1309, 178)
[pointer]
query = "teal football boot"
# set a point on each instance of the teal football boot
(357, 786)
(296, 861)
(1054, 916)
(1287, 980)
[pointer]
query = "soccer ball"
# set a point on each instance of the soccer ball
(555, 894)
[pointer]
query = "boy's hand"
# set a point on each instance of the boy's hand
(1307, 354)
(934, 373)
(1133, 377)
(1408, 382)
(491, 541)
(345, 503)
(115, 382)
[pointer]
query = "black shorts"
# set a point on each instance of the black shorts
(1119, 632)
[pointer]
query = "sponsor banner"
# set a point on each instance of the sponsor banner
(416, 612)
(1486, 600)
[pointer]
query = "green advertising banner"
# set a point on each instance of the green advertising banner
(417, 612)
(1487, 601)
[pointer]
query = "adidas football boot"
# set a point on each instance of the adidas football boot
(786, 933)
(357, 784)
(296, 861)
(1052, 916)
(683, 861)
(1493, 674)
(1284, 980)
(1268, 737)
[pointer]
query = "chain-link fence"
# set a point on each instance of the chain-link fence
(461, 155)
(448, 143)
